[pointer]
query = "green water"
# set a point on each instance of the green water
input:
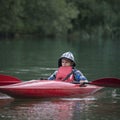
(37, 58)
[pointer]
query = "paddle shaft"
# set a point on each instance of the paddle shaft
(104, 82)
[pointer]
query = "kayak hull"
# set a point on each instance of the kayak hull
(48, 89)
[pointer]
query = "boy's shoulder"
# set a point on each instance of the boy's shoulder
(75, 70)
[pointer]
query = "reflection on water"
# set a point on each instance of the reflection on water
(54, 109)
(5, 100)
(91, 107)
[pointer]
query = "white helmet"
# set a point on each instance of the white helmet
(67, 55)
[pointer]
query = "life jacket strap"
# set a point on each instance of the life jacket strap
(67, 76)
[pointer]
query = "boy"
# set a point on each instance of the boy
(66, 70)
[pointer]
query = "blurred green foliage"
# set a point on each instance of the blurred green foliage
(52, 17)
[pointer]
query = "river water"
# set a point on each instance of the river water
(35, 58)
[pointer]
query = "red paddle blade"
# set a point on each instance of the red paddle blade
(107, 82)
(6, 80)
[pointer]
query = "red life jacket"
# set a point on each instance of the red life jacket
(65, 74)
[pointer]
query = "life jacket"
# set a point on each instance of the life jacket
(65, 74)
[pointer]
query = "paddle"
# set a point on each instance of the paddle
(6, 80)
(106, 82)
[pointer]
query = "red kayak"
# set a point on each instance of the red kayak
(46, 89)
(16, 88)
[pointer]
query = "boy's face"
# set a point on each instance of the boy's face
(66, 62)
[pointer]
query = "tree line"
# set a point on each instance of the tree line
(52, 17)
